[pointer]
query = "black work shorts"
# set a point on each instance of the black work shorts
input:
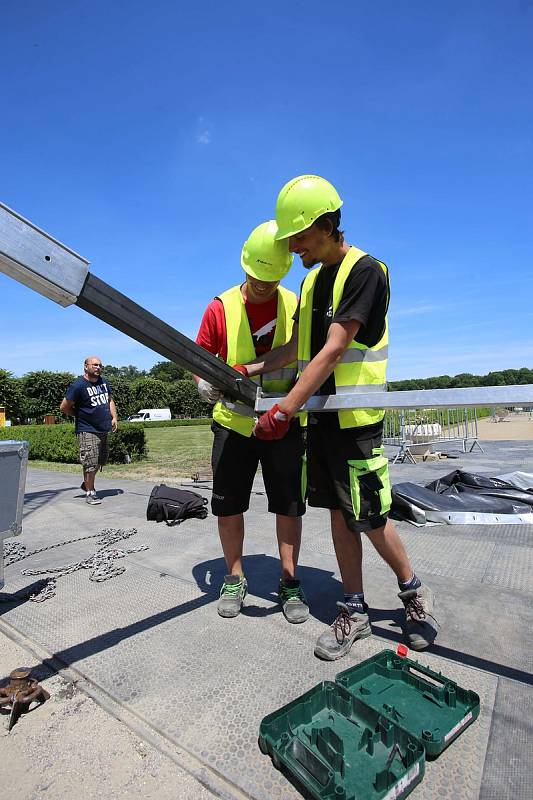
(336, 480)
(235, 459)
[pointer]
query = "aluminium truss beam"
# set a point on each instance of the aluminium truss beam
(476, 396)
(36, 259)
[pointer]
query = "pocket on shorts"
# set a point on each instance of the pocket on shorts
(370, 486)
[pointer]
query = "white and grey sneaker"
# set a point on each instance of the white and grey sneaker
(348, 627)
(232, 595)
(92, 499)
(293, 601)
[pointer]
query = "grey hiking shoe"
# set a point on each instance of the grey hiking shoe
(293, 601)
(232, 595)
(420, 628)
(349, 626)
(92, 499)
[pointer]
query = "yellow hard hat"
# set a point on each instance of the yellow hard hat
(263, 257)
(301, 201)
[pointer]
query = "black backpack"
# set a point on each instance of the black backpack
(175, 505)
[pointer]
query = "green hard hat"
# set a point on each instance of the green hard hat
(302, 201)
(263, 257)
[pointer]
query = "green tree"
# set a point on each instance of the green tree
(124, 397)
(168, 372)
(11, 395)
(43, 392)
(464, 380)
(506, 377)
(150, 393)
(525, 375)
(494, 379)
(440, 382)
(129, 373)
(186, 402)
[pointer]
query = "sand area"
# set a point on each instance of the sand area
(513, 427)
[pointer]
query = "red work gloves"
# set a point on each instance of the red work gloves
(242, 369)
(274, 424)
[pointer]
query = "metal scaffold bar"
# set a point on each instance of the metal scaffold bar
(116, 309)
(476, 396)
(34, 258)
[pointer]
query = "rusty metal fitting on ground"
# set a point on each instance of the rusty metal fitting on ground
(21, 691)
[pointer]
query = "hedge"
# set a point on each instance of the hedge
(172, 423)
(59, 443)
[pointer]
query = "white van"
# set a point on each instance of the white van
(150, 415)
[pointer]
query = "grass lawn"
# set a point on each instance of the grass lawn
(172, 452)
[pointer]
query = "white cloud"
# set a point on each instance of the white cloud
(203, 131)
(204, 137)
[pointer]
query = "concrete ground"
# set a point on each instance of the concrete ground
(154, 694)
(73, 747)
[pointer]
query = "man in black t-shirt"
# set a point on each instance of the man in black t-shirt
(89, 400)
(341, 342)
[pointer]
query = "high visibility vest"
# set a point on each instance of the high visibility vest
(361, 368)
(237, 416)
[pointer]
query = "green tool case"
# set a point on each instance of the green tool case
(366, 736)
(429, 706)
(339, 748)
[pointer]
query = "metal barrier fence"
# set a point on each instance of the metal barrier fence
(414, 431)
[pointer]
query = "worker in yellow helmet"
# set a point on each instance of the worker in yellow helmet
(341, 343)
(240, 324)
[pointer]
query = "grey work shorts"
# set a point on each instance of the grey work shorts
(94, 450)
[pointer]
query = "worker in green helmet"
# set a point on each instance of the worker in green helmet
(341, 344)
(239, 325)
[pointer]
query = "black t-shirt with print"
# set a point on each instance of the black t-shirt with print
(91, 404)
(365, 298)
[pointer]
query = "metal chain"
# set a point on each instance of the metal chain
(101, 562)
(16, 551)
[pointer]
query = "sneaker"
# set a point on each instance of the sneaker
(93, 499)
(292, 599)
(349, 626)
(232, 595)
(420, 627)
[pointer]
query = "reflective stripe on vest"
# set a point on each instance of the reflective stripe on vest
(351, 356)
(236, 416)
(361, 368)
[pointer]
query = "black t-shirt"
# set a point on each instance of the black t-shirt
(365, 298)
(91, 404)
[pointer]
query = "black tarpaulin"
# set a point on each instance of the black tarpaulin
(466, 497)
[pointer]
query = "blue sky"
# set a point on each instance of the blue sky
(151, 137)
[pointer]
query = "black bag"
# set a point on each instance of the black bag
(175, 505)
